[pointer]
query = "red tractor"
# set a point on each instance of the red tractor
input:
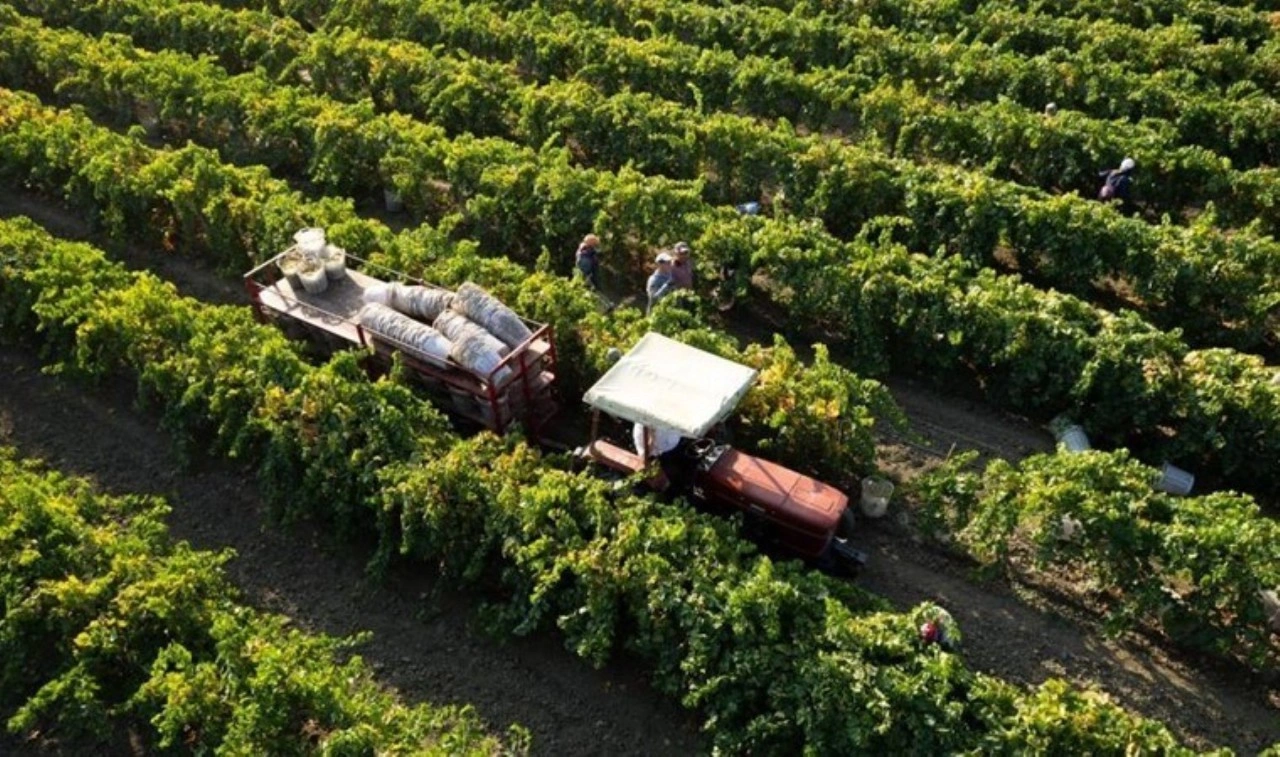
(675, 395)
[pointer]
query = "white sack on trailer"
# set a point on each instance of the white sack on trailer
(457, 326)
(421, 302)
(474, 351)
(402, 332)
(486, 310)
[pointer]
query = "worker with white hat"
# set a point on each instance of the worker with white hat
(660, 282)
(1117, 185)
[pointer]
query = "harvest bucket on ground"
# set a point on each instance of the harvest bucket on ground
(1072, 436)
(875, 496)
(1175, 480)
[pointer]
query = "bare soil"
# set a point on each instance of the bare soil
(427, 645)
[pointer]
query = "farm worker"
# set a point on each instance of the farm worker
(654, 442)
(660, 282)
(586, 259)
(939, 628)
(1117, 185)
(664, 445)
(682, 267)
(1051, 110)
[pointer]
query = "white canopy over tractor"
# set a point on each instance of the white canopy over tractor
(664, 384)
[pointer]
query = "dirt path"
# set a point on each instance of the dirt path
(571, 708)
(1011, 631)
(1025, 637)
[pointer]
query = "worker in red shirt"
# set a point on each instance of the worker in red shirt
(682, 267)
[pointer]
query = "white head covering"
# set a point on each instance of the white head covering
(1127, 164)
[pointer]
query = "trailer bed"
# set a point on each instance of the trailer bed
(333, 310)
(336, 308)
(331, 319)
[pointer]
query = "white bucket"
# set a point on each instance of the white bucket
(289, 264)
(335, 261)
(1271, 606)
(1074, 438)
(310, 242)
(1175, 480)
(391, 199)
(875, 496)
(314, 280)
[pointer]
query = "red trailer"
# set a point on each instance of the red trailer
(672, 388)
(520, 388)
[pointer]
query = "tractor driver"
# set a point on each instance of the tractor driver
(665, 445)
(654, 442)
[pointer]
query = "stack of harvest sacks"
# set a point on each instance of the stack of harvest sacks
(413, 337)
(423, 303)
(485, 309)
(471, 327)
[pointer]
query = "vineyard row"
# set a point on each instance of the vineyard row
(110, 628)
(1244, 48)
(1248, 20)
(1003, 139)
(548, 45)
(822, 398)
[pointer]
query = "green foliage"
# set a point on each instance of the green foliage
(523, 199)
(107, 626)
(947, 495)
(1191, 567)
(821, 413)
(1024, 348)
(728, 631)
(1057, 717)
(604, 139)
(328, 439)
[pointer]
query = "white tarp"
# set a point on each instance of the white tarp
(665, 384)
